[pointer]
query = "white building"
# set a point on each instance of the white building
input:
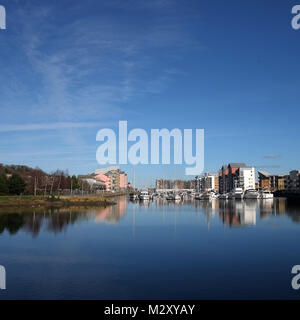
(246, 178)
(206, 183)
(210, 181)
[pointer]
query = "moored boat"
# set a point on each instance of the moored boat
(144, 195)
(238, 193)
(266, 194)
(223, 196)
(251, 194)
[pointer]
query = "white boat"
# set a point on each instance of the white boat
(223, 196)
(214, 195)
(177, 197)
(251, 194)
(238, 193)
(266, 194)
(144, 195)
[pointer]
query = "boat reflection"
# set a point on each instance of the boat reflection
(231, 213)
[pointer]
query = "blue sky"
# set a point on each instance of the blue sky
(70, 68)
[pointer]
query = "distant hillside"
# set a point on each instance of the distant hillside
(37, 179)
(23, 171)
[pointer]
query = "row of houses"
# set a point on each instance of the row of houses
(229, 177)
(174, 184)
(239, 175)
(280, 182)
(107, 179)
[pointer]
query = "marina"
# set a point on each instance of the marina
(152, 249)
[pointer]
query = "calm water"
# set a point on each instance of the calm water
(156, 250)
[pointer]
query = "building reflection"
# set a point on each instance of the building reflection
(112, 214)
(234, 213)
(230, 212)
(57, 220)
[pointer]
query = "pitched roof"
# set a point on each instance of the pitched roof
(264, 173)
(236, 164)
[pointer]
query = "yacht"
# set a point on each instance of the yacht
(173, 196)
(238, 193)
(198, 196)
(266, 194)
(209, 196)
(251, 194)
(144, 195)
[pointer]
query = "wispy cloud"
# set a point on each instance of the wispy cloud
(46, 126)
(89, 67)
(85, 67)
(271, 156)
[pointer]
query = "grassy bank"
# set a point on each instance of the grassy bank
(39, 201)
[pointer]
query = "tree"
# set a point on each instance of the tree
(75, 183)
(3, 185)
(16, 184)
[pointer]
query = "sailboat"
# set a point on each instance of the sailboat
(132, 195)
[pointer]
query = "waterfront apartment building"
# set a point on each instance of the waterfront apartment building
(246, 178)
(208, 182)
(112, 177)
(103, 180)
(223, 179)
(275, 182)
(236, 175)
(174, 184)
(292, 181)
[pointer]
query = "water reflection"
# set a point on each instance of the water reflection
(57, 220)
(112, 214)
(238, 213)
(231, 213)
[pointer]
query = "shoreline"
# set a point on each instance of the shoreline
(55, 202)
